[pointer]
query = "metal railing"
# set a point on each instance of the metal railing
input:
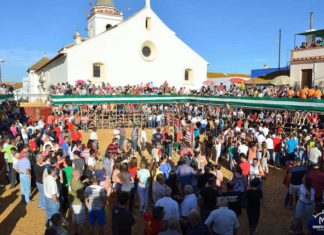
(32, 98)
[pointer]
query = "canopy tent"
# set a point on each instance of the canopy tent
(280, 81)
(258, 81)
(317, 33)
(209, 82)
(80, 82)
(237, 80)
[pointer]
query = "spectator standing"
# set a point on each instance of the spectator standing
(189, 203)
(76, 195)
(169, 205)
(208, 197)
(10, 161)
(38, 169)
(173, 227)
(143, 139)
(295, 180)
(223, 220)
(51, 193)
(305, 204)
(317, 178)
(23, 167)
(122, 218)
(254, 198)
(143, 176)
(95, 200)
(153, 221)
(135, 138)
(196, 226)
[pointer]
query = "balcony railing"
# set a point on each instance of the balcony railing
(307, 55)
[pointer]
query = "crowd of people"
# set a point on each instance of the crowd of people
(271, 91)
(317, 43)
(175, 180)
(6, 89)
(238, 89)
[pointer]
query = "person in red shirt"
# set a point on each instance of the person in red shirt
(317, 178)
(23, 151)
(153, 221)
(57, 130)
(70, 126)
(50, 119)
(239, 123)
(132, 169)
(76, 135)
(245, 165)
(32, 143)
(276, 149)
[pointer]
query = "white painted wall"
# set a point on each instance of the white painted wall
(119, 49)
(98, 22)
(296, 72)
(56, 72)
(311, 52)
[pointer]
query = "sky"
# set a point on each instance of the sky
(234, 36)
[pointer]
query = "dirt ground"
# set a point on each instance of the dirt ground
(18, 219)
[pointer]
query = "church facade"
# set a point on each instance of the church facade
(121, 52)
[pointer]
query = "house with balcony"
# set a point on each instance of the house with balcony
(307, 60)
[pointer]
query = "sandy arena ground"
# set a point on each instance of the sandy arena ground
(18, 219)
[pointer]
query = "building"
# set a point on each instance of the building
(307, 60)
(138, 50)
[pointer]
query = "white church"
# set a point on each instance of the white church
(137, 50)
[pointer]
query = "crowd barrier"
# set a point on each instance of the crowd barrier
(6, 97)
(247, 102)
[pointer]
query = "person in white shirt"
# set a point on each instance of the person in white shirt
(269, 142)
(190, 201)
(218, 148)
(260, 138)
(223, 220)
(40, 124)
(314, 154)
(143, 139)
(51, 193)
(243, 148)
(158, 120)
(169, 205)
(116, 133)
(93, 135)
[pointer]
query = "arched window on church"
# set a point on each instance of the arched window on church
(108, 26)
(188, 75)
(97, 70)
(148, 23)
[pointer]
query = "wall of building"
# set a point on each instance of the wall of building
(56, 72)
(120, 50)
(97, 23)
(296, 72)
(308, 53)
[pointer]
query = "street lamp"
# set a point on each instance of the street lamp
(1, 61)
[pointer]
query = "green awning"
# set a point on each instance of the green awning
(318, 33)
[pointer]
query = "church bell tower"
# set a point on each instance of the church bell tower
(103, 16)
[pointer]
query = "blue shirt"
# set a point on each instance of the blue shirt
(196, 132)
(65, 147)
(291, 145)
(185, 174)
(223, 220)
(165, 168)
(23, 165)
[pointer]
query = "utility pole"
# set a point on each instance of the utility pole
(1, 61)
(279, 58)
